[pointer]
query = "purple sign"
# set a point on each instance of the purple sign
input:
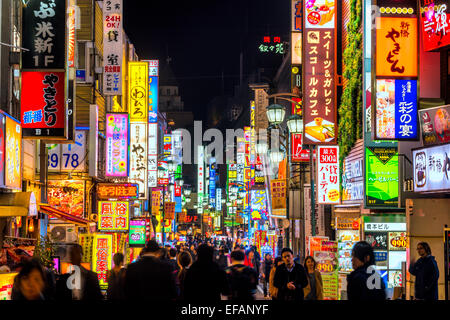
(406, 109)
(116, 145)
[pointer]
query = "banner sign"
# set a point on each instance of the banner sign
(258, 203)
(432, 169)
(152, 155)
(138, 157)
(113, 216)
(13, 153)
(68, 157)
(396, 110)
(382, 177)
(93, 140)
(328, 175)
(136, 235)
(116, 145)
(200, 177)
(219, 199)
(297, 15)
(297, 153)
(138, 91)
(319, 101)
(42, 105)
(156, 201)
(153, 90)
(102, 261)
(435, 24)
(169, 210)
(44, 34)
(278, 191)
(2, 149)
(107, 191)
(435, 123)
(112, 47)
(296, 50)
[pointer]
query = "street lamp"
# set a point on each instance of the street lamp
(295, 124)
(276, 156)
(275, 113)
(261, 148)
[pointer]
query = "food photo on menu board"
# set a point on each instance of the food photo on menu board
(320, 13)
(385, 116)
(435, 123)
(320, 130)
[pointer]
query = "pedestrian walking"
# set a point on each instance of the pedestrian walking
(184, 263)
(242, 279)
(205, 281)
(273, 291)
(173, 260)
(290, 278)
(314, 289)
(116, 279)
(150, 278)
(222, 259)
(426, 272)
(30, 282)
(359, 285)
(84, 288)
(266, 268)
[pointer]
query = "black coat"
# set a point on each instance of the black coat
(427, 275)
(91, 287)
(205, 281)
(358, 286)
(283, 277)
(150, 279)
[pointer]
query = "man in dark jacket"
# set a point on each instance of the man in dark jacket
(290, 278)
(426, 272)
(205, 281)
(364, 283)
(84, 288)
(150, 278)
(242, 279)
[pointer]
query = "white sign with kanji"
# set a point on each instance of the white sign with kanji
(328, 175)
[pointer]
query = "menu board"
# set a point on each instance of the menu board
(435, 124)
(327, 262)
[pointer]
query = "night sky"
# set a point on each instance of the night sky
(203, 39)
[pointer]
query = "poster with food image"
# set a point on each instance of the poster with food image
(319, 13)
(435, 124)
(385, 109)
(378, 240)
(320, 130)
(397, 241)
(395, 279)
(67, 196)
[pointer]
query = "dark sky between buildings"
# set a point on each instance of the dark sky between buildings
(203, 39)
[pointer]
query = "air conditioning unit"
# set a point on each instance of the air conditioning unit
(63, 233)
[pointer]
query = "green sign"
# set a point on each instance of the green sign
(137, 233)
(381, 177)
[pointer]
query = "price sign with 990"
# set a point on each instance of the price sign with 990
(68, 157)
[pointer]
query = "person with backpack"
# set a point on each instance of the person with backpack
(242, 279)
(116, 279)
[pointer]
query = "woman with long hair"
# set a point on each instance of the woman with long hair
(29, 284)
(314, 290)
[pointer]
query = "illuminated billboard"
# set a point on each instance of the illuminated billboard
(113, 216)
(432, 169)
(13, 154)
(328, 175)
(138, 157)
(116, 145)
(138, 91)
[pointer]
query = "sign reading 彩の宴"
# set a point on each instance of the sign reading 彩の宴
(138, 157)
(319, 98)
(116, 145)
(138, 91)
(113, 216)
(328, 175)
(44, 34)
(112, 47)
(42, 106)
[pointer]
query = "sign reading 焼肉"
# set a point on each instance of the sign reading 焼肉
(328, 175)
(116, 145)
(113, 216)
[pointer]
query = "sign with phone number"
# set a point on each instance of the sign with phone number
(68, 157)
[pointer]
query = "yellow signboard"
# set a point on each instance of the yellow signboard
(138, 91)
(102, 258)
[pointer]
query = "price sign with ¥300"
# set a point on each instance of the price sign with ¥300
(325, 267)
(397, 241)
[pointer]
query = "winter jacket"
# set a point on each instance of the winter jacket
(359, 286)
(283, 277)
(272, 289)
(427, 275)
(243, 282)
(319, 286)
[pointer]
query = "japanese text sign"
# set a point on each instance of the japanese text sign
(138, 91)
(200, 177)
(13, 154)
(258, 204)
(297, 153)
(169, 210)
(296, 50)
(435, 24)
(396, 49)
(319, 109)
(381, 177)
(112, 47)
(2, 149)
(116, 145)
(297, 15)
(44, 34)
(137, 233)
(432, 168)
(138, 157)
(156, 201)
(68, 157)
(152, 155)
(153, 90)
(107, 191)
(67, 196)
(328, 175)
(435, 123)
(113, 216)
(102, 260)
(42, 106)
(278, 191)
(396, 109)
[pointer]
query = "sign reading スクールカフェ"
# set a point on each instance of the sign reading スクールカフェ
(44, 34)
(112, 47)
(328, 175)
(42, 105)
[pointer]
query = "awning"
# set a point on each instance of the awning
(18, 204)
(45, 208)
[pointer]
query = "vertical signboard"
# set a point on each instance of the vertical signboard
(44, 34)
(278, 191)
(219, 199)
(93, 140)
(152, 155)
(42, 105)
(138, 157)
(136, 235)
(432, 169)
(112, 47)
(319, 98)
(435, 24)
(137, 91)
(2, 150)
(200, 177)
(153, 90)
(102, 261)
(116, 145)
(13, 154)
(328, 175)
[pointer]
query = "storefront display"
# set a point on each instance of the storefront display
(327, 265)
(67, 196)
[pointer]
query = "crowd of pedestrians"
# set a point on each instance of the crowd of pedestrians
(206, 271)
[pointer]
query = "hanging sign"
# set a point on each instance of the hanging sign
(136, 235)
(107, 191)
(153, 90)
(113, 216)
(432, 169)
(169, 210)
(435, 24)
(116, 145)
(328, 175)
(278, 191)
(435, 123)
(152, 155)
(138, 157)
(138, 91)
(2, 149)
(13, 154)
(102, 261)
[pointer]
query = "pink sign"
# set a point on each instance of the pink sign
(116, 144)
